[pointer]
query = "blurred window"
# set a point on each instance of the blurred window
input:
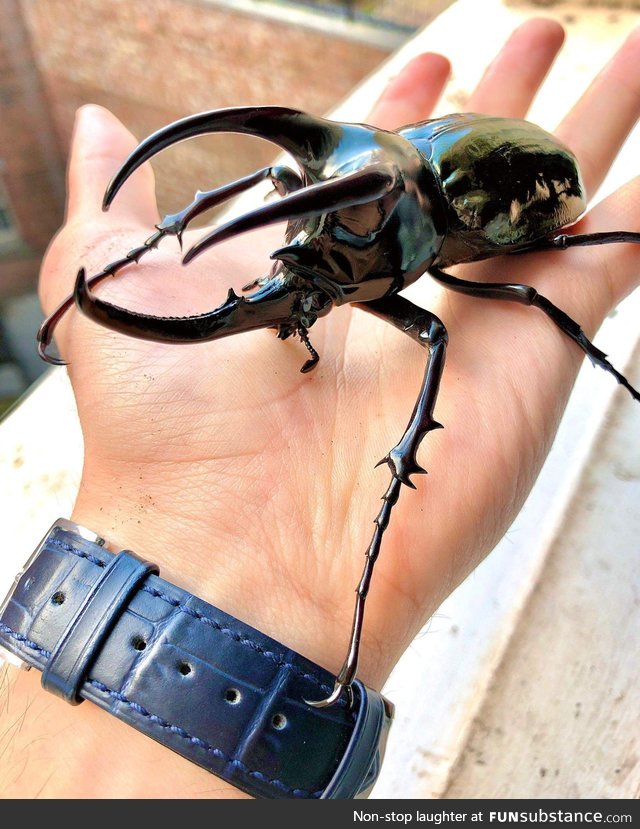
(409, 14)
(8, 229)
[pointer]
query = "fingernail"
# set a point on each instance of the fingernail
(88, 119)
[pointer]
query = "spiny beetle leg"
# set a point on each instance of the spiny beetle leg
(48, 326)
(347, 673)
(426, 329)
(284, 181)
(526, 295)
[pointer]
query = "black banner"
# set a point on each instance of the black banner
(309, 814)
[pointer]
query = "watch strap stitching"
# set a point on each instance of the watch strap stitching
(58, 542)
(237, 637)
(195, 614)
(181, 732)
(28, 643)
(160, 721)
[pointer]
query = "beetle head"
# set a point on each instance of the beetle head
(353, 176)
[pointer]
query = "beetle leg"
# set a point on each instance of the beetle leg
(526, 295)
(315, 357)
(363, 186)
(48, 326)
(427, 330)
(284, 181)
(565, 241)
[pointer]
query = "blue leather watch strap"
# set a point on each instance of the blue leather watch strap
(79, 645)
(222, 694)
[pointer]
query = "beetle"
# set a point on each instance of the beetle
(368, 212)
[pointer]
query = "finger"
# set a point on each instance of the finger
(99, 146)
(411, 96)
(512, 80)
(598, 124)
(619, 271)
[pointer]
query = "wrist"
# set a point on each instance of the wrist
(237, 569)
(85, 644)
(64, 751)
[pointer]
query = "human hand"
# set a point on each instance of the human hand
(269, 473)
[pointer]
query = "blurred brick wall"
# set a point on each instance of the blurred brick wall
(152, 61)
(32, 165)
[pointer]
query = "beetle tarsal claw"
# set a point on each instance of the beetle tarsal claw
(333, 697)
(43, 341)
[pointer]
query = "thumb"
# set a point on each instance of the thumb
(99, 146)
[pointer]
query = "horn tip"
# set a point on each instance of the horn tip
(109, 193)
(80, 288)
(190, 255)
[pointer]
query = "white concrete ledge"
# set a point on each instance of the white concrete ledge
(386, 36)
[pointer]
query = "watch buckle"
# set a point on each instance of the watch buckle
(6, 656)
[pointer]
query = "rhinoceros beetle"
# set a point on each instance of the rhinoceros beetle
(370, 211)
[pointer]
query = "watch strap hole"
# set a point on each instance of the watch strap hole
(232, 696)
(279, 722)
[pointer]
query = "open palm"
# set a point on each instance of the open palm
(260, 480)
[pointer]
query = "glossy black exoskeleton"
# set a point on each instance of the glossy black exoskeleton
(369, 212)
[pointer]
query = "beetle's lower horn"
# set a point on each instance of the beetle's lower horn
(361, 187)
(272, 305)
(307, 138)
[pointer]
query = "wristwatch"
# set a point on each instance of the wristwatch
(104, 626)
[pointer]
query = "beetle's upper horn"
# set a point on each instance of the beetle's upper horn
(309, 139)
(360, 187)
